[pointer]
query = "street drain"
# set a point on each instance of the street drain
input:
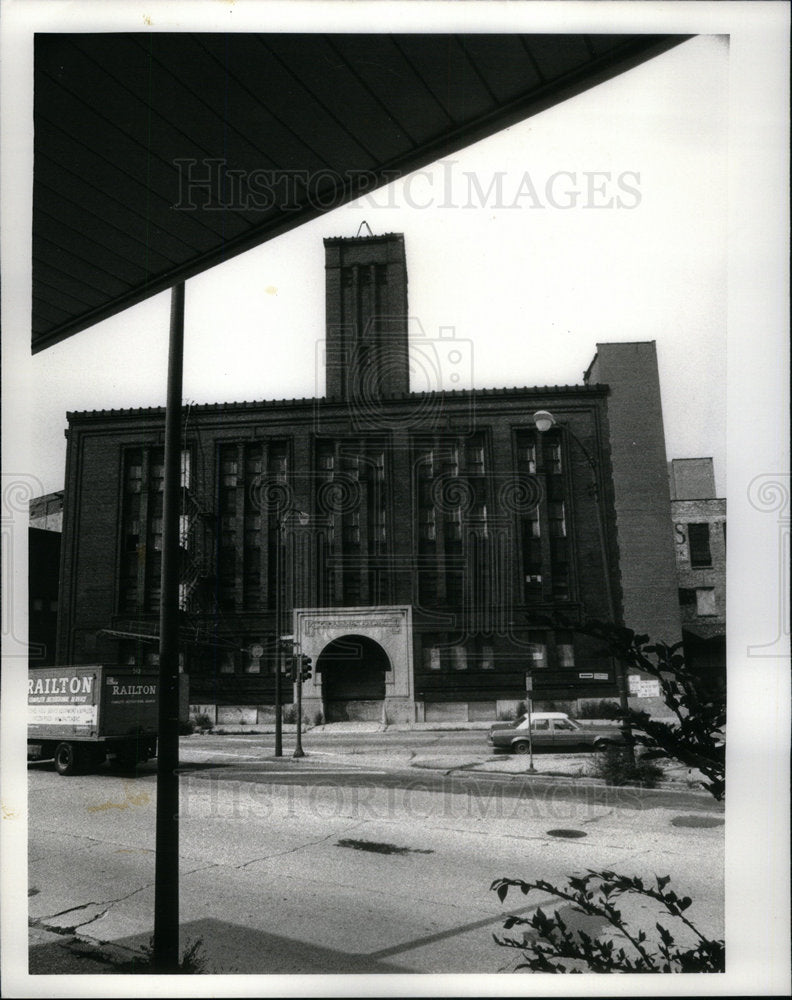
(377, 847)
(571, 834)
(698, 821)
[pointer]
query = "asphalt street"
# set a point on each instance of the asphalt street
(368, 855)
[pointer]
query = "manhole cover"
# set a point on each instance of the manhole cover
(698, 821)
(379, 848)
(571, 834)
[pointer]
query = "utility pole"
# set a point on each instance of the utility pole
(166, 865)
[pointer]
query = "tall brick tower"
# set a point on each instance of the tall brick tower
(366, 318)
(647, 557)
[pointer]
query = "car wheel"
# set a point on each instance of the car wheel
(602, 744)
(521, 746)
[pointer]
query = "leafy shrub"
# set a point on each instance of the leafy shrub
(186, 727)
(695, 735)
(192, 962)
(202, 723)
(290, 714)
(551, 946)
(602, 709)
(318, 718)
(616, 766)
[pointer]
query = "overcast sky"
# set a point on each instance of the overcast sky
(601, 219)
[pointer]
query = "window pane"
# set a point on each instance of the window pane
(459, 657)
(431, 657)
(698, 537)
(565, 649)
(705, 601)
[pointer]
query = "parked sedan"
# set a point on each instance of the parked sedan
(551, 731)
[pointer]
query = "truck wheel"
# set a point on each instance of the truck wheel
(66, 760)
(521, 746)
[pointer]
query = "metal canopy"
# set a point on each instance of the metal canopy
(273, 130)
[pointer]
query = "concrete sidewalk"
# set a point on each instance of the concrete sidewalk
(343, 728)
(569, 766)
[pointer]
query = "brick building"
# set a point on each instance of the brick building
(416, 544)
(699, 519)
(45, 521)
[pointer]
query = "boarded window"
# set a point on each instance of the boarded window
(705, 601)
(699, 540)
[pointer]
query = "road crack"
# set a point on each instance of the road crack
(104, 906)
(300, 847)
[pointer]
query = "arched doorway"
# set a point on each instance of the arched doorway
(353, 669)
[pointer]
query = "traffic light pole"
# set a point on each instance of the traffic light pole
(298, 750)
(278, 648)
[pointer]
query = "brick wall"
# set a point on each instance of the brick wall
(640, 482)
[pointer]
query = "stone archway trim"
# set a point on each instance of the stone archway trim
(389, 626)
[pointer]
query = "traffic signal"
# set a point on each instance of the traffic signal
(305, 665)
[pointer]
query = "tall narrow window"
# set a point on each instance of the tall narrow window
(251, 554)
(431, 657)
(377, 499)
(227, 536)
(565, 649)
(459, 657)
(699, 540)
(557, 516)
(552, 457)
(526, 455)
(537, 650)
(426, 519)
(185, 469)
(132, 541)
(474, 456)
(156, 486)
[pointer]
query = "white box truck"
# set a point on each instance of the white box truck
(80, 716)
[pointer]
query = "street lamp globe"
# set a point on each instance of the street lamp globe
(543, 420)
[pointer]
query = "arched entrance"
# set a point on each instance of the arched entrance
(353, 669)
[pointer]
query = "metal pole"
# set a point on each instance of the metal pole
(278, 652)
(166, 872)
(530, 733)
(298, 750)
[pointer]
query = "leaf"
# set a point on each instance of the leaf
(665, 935)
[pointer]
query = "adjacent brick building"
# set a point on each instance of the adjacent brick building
(699, 519)
(418, 545)
(44, 549)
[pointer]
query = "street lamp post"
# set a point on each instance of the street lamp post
(543, 421)
(281, 520)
